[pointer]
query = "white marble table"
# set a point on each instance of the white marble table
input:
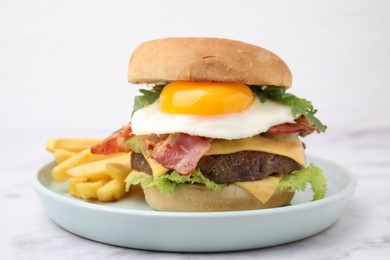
(362, 231)
(63, 74)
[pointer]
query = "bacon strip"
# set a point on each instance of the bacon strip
(115, 143)
(150, 141)
(181, 152)
(301, 125)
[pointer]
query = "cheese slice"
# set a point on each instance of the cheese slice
(262, 189)
(157, 169)
(292, 149)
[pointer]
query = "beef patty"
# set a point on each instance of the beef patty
(245, 166)
(139, 163)
(235, 167)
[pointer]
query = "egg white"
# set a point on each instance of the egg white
(256, 119)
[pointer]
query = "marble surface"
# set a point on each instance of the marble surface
(63, 74)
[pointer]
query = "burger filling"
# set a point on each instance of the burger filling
(268, 161)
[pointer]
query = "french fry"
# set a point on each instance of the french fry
(71, 144)
(97, 170)
(111, 191)
(61, 155)
(72, 188)
(91, 176)
(118, 171)
(88, 190)
(59, 172)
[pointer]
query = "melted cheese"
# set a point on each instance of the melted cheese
(262, 189)
(157, 169)
(292, 149)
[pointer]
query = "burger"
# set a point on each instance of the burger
(214, 128)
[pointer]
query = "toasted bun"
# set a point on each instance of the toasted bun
(194, 197)
(206, 59)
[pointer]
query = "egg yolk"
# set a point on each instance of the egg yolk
(205, 98)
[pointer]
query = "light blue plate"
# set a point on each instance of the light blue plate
(132, 223)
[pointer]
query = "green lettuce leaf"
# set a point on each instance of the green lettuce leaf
(135, 179)
(148, 97)
(298, 180)
(168, 182)
(299, 106)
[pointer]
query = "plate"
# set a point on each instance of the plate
(132, 223)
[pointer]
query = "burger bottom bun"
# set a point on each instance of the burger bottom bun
(198, 198)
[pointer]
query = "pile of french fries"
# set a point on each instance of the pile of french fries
(90, 176)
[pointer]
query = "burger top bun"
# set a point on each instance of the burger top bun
(206, 59)
(198, 198)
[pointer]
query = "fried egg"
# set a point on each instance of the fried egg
(215, 110)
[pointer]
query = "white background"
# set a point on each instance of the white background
(63, 73)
